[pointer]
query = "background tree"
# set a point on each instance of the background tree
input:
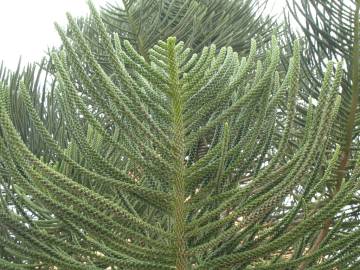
(197, 23)
(331, 31)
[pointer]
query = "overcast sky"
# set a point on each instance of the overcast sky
(27, 26)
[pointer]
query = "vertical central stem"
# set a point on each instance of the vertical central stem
(179, 153)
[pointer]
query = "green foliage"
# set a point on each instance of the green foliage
(141, 194)
(331, 31)
(39, 80)
(237, 19)
(198, 23)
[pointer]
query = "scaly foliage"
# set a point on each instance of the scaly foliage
(331, 30)
(137, 194)
(240, 21)
(198, 23)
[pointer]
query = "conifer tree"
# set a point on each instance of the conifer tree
(238, 20)
(197, 23)
(331, 31)
(40, 80)
(137, 194)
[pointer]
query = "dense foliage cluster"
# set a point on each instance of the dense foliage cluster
(204, 151)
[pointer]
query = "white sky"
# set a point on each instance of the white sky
(27, 26)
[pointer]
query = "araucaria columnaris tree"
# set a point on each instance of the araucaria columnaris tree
(138, 194)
